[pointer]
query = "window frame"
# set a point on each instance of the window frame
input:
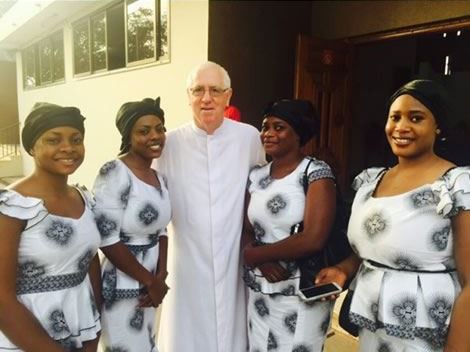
(74, 25)
(92, 17)
(42, 44)
(34, 48)
(30, 50)
(157, 35)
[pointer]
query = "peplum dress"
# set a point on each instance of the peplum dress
(278, 320)
(135, 213)
(406, 287)
(54, 255)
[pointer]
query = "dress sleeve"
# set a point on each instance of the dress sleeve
(111, 188)
(367, 176)
(452, 191)
(253, 177)
(318, 170)
(86, 195)
(29, 209)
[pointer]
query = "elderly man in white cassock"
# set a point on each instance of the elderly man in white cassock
(206, 163)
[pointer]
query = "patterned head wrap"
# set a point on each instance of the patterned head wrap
(130, 112)
(300, 114)
(45, 116)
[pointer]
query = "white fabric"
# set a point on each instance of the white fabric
(136, 213)
(207, 174)
(409, 232)
(275, 206)
(277, 319)
(53, 261)
(286, 324)
(380, 341)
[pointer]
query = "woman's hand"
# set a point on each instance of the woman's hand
(331, 274)
(274, 272)
(156, 292)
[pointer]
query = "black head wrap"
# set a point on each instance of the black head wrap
(130, 112)
(45, 116)
(300, 114)
(433, 96)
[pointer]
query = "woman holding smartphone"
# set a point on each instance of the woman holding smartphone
(410, 227)
(276, 200)
(49, 271)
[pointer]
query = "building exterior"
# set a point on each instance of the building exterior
(97, 55)
(94, 54)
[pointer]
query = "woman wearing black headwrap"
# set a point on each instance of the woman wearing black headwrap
(48, 243)
(410, 225)
(278, 319)
(132, 212)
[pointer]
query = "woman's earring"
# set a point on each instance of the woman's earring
(438, 131)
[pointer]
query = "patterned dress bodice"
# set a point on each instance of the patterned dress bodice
(54, 256)
(53, 250)
(402, 231)
(407, 283)
(275, 206)
(135, 213)
(128, 208)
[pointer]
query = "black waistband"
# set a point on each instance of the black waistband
(418, 271)
(136, 248)
(25, 285)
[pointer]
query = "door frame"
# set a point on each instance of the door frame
(426, 28)
(419, 29)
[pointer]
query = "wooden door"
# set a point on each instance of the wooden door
(323, 76)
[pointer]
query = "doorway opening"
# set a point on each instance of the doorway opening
(382, 66)
(350, 80)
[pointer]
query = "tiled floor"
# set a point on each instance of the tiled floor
(339, 340)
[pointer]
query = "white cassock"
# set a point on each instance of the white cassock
(205, 308)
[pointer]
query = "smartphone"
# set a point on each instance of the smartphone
(316, 292)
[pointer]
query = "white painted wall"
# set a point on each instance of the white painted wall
(100, 96)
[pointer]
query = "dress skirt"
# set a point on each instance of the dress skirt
(286, 323)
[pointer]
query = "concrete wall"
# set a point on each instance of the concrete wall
(340, 19)
(100, 96)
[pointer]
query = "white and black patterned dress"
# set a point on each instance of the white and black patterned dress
(52, 275)
(136, 213)
(407, 285)
(277, 319)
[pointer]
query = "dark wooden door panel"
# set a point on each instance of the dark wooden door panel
(323, 75)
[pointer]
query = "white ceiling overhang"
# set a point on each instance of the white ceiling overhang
(28, 20)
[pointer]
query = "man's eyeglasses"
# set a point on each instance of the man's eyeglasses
(214, 92)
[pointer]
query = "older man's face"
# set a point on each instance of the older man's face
(208, 98)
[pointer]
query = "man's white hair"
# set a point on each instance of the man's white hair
(204, 66)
